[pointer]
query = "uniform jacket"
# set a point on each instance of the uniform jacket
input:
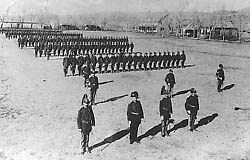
(94, 84)
(165, 107)
(192, 103)
(220, 74)
(85, 119)
(134, 111)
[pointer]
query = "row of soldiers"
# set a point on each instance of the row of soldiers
(126, 62)
(65, 48)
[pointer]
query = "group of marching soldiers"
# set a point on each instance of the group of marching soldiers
(124, 62)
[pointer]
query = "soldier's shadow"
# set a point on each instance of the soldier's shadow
(228, 87)
(112, 99)
(206, 120)
(181, 92)
(156, 129)
(101, 83)
(111, 139)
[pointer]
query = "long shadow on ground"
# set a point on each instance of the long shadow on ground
(112, 99)
(111, 139)
(101, 83)
(181, 92)
(206, 120)
(228, 87)
(156, 129)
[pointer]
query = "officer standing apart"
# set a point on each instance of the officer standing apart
(93, 85)
(135, 116)
(165, 112)
(220, 77)
(192, 107)
(85, 121)
(170, 81)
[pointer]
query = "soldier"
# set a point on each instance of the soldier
(93, 61)
(131, 47)
(85, 121)
(73, 64)
(178, 59)
(169, 59)
(145, 61)
(151, 60)
(164, 60)
(93, 85)
(80, 60)
(220, 77)
(135, 116)
(192, 107)
(106, 61)
(159, 60)
(65, 65)
(140, 61)
(183, 59)
(173, 59)
(36, 49)
(130, 61)
(86, 72)
(100, 62)
(113, 60)
(119, 61)
(155, 59)
(135, 61)
(166, 110)
(124, 62)
(170, 81)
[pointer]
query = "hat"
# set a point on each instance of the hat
(164, 91)
(171, 70)
(134, 94)
(220, 65)
(193, 90)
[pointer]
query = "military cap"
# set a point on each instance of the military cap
(134, 94)
(193, 90)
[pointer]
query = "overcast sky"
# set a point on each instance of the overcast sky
(89, 6)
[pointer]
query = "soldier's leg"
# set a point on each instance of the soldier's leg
(163, 128)
(191, 123)
(83, 142)
(133, 132)
(219, 86)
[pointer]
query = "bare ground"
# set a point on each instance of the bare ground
(39, 106)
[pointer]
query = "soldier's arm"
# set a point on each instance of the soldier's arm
(141, 110)
(79, 123)
(92, 117)
(128, 113)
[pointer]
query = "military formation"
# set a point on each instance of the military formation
(90, 55)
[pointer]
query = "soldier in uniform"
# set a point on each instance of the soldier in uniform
(65, 65)
(93, 62)
(100, 63)
(145, 61)
(169, 59)
(170, 81)
(86, 72)
(80, 60)
(135, 61)
(160, 60)
(150, 60)
(220, 77)
(85, 121)
(173, 59)
(124, 62)
(178, 59)
(183, 59)
(106, 61)
(192, 107)
(166, 110)
(113, 60)
(155, 59)
(135, 116)
(130, 61)
(131, 47)
(94, 86)
(140, 61)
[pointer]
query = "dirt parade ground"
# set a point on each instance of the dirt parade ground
(39, 105)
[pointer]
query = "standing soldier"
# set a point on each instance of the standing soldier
(65, 65)
(165, 112)
(124, 62)
(169, 59)
(160, 60)
(151, 60)
(170, 81)
(80, 60)
(130, 61)
(86, 72)
(131, 47)
(135, 61)
(178, 59)
(192, 107)
(173, 59)
(93, 61)
(220, 77)
(183, 59)
(145, 61)
(93, 85)
(113, 60)
(85, 121)
(100, 63)
(135, 116)
(106, 61)
(140, 61)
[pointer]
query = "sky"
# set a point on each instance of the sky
(66, 7)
